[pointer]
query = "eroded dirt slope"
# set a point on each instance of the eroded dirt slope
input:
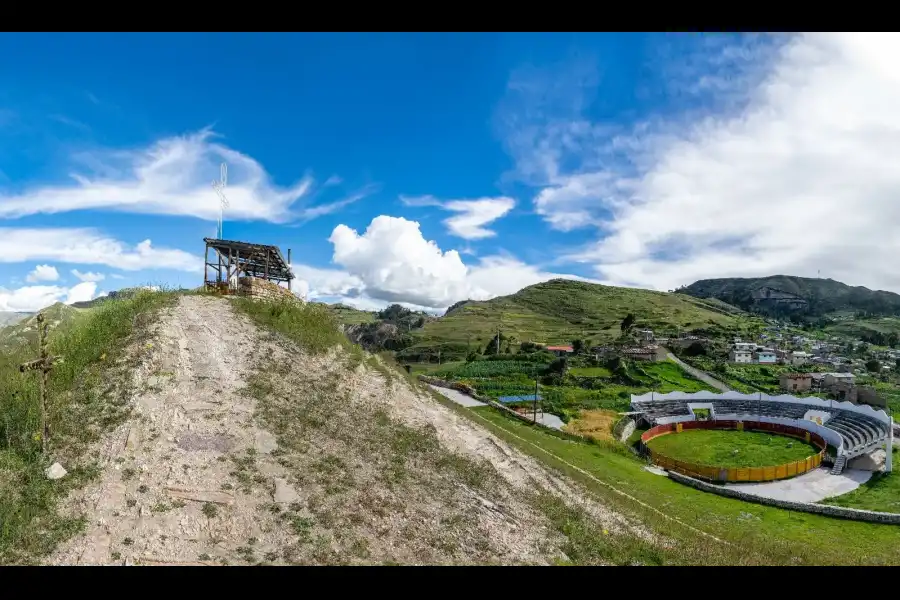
(243, 449)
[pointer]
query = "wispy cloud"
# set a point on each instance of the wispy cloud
(794, 173)
(171, 177)
(70, 122)
(473, 215)
(89, 276)
(88, 246)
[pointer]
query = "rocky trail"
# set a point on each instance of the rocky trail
(243, 449)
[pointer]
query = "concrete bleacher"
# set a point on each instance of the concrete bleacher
(859, 428)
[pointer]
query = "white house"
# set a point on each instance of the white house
(744, 346)
(740, 356)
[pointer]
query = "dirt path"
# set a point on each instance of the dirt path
(165, 495)
(243, 449)
(701, 375)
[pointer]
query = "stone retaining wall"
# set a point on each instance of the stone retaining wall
(853, 514)
(260, 289)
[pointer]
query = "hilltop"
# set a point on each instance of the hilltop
(784, 294)
(561, 310)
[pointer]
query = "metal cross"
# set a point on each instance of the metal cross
(44, 364)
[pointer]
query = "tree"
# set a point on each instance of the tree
(577, 346)
(893, 339)
(627, 322)
(872, 366)
(558, 366)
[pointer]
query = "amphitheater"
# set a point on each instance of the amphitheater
(852, 430)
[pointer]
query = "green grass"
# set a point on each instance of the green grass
(715, 448)
(880, 493)
(559, 311)
(590, 372)
(347, 315)
(86, 399)
(756, 534)
(312, 325)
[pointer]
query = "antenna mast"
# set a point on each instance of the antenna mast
(219, 186)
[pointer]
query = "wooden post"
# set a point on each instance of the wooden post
(45, 364)
(289, 269)
(205, 266)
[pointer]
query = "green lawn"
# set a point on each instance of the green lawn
(756, 534)
(881, 493)
(717, 448)
(590, 372)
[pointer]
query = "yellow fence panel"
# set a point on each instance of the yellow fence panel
(768, 473)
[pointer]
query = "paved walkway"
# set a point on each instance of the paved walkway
(545, 419)
(814, 486)
(701, 375)
(457, 397)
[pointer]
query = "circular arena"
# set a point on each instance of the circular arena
(739, 451)
(838, 431)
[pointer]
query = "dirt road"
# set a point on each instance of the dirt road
(164, 489)
(701, 375)
(243, 449)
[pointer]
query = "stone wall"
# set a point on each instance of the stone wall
(852, 514)
(260, 289)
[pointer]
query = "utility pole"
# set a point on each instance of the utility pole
(498, 339)
(219, 186)
(536, 399)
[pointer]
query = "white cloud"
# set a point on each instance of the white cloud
(171, 177)
(33, 298)
(796, 173)
(42, 273)
(87, 246)
(116, 276)
(392, 262)
(89, 276)
(473, 215)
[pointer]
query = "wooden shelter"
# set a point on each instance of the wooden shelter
(242, 259)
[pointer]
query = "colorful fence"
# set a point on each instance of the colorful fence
(746, 474)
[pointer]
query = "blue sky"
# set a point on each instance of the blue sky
(430, 168)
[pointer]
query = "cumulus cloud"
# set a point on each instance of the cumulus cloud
(89, 276)
(42, 273)
(171, 177)
(473, 215)
(87, 246)
(392, 262)
(795, 174)
(33, 298)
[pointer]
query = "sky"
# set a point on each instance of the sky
(426, 169)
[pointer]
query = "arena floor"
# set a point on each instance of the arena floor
(814, 486)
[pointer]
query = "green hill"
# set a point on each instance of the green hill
(26, 330)
(561, 310)
(784, 295)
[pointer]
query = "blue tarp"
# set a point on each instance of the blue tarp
(508, 399)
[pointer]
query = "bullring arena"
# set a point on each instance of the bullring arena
(809, 440)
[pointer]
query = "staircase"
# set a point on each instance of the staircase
(839, 463)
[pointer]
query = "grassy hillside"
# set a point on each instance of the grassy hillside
(25, 332)
(823, 295)
(347, 315)
(11, 318)
(561, 310)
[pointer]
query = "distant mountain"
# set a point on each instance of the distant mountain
(25, 331)
(8, 317)
(783, 295)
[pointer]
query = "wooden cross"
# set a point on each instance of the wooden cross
(44, 364)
